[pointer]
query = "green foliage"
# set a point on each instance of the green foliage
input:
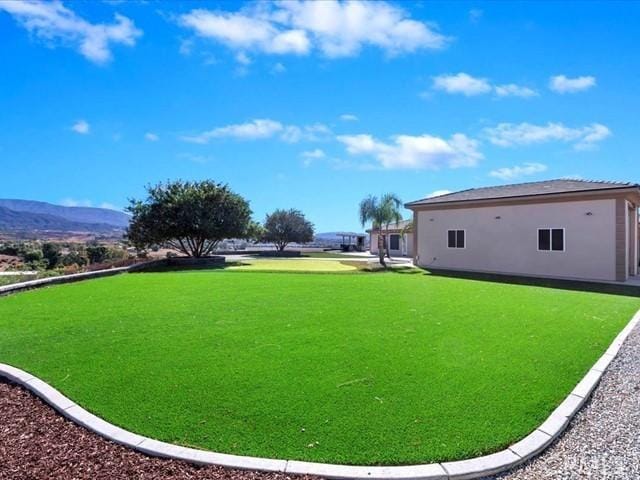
(191, 217)
(9, 249)
(377, 368)
(97, 253)
(381, 212)
(117, 253)
(255, 232)
(33, 256)
(283, 227)
(51, 253)
(75, 257)
(54, 255)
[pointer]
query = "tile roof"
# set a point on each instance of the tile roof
(547, 187)
(394, 226)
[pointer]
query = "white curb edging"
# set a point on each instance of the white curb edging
(60, 279)
(524, 450)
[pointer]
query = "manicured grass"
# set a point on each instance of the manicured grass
(378, 368)
(337, 255)
(295, 265)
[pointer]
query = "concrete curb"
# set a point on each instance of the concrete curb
(519, 452)
(136, 267)
(76, 277)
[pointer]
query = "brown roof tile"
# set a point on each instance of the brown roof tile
(548, 187)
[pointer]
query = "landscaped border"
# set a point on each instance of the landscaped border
(519, 452)
(189, 262)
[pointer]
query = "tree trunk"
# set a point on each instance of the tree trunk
(386, 244)
(381, 249)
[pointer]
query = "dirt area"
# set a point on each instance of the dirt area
(9, 262)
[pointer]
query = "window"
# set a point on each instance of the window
(394, 242)
(455, 238)
(551, 239)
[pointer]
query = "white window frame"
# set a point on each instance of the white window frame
(457, 230)
(564, 239)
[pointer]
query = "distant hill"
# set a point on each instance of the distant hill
(83, 215)
(30, 217)
(12, 221)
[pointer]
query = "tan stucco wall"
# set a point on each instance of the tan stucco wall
(634, 246)
(510, 244)
(408, 237)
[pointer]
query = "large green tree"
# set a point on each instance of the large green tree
(51, 253)
(283, 227)
(381, 212)
(97, 253)
(192, 217)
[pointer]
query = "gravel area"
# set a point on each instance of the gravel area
(602, 442)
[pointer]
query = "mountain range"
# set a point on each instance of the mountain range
(32, 216)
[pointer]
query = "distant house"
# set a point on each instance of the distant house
(399, 237)
(558, 228)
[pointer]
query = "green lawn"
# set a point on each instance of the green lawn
(378, 368)
(330, 254)
(294, 265)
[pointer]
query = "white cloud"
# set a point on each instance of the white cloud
(310, 156)
(563, 84)
(151, 137)
(70, 202)
(186, 46)
(510, 134)
(316, 153)
(468, 85)
(278, 68)
(53, 22)
(416, 152)
(513, 90)
(438, 193)
(256, 129)
(348, 117)
(461, 83)
(314, 132)
(243, 59)
(81, 127)
(335, 28)
(511, 173)
(593, 134)
(263, 128)
(199, 159)
(475, 14)
(109, 206)
(240, 31)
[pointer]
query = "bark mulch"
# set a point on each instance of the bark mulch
(38, 443)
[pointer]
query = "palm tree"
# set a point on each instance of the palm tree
(380, 212)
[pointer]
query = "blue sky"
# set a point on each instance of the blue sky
(314, 106)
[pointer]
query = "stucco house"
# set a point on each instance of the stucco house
(574, 229)
(398, 235)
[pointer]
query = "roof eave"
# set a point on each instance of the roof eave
(631, 188)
